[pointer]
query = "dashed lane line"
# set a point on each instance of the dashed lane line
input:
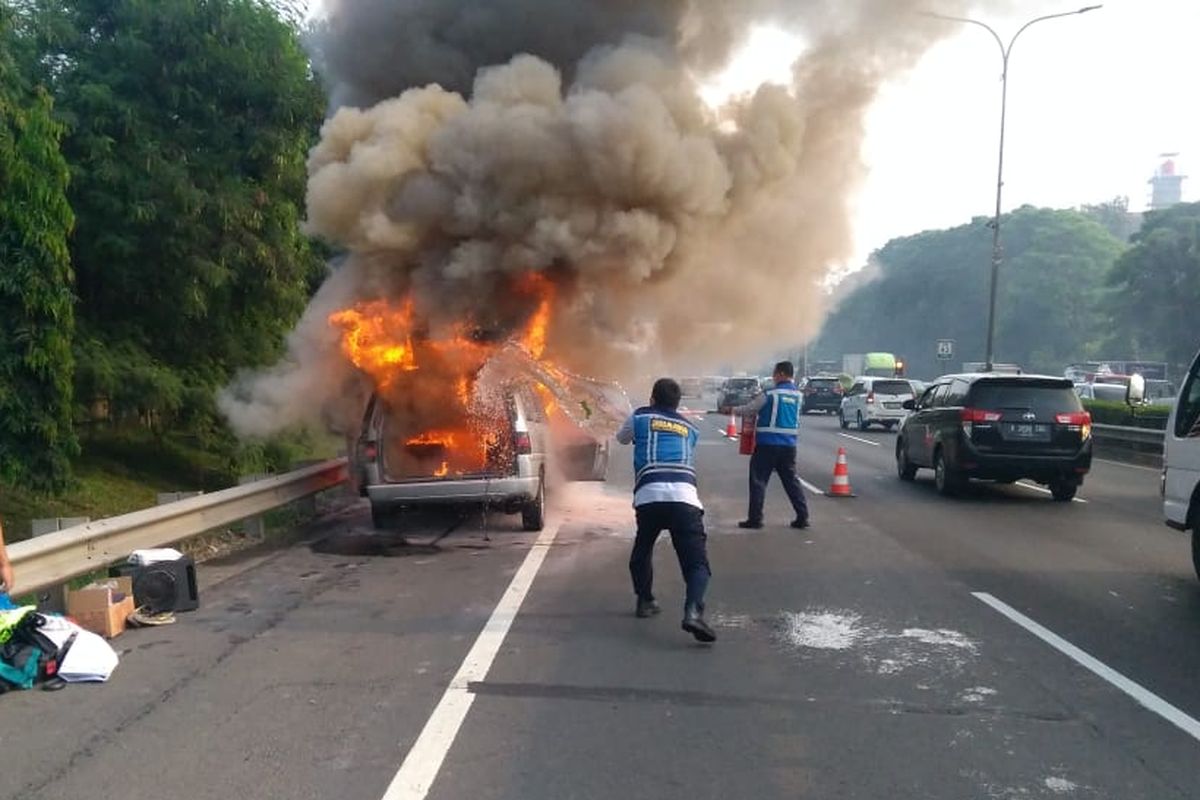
(423, 762)
(864, 441)
(812, 489)
(1139, 693)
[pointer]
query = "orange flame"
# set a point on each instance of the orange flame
(534, 338)
(377, 338)
(439, 433)
(443, 438)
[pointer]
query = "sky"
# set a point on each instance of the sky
(1093, 100)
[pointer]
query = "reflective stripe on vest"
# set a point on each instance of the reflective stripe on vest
(781, 413)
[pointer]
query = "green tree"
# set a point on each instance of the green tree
(188, 127)
(1156, 286)
(36, 305)
(934, 285)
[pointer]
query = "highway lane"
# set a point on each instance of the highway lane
(854, 661)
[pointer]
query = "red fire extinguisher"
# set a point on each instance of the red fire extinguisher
(746, 440)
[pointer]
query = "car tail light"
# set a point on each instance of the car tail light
(809, 390)
(871, 397)
(522, 443)
(1077, 421)
(369, 451)
(974, 416)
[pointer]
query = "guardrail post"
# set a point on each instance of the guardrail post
(254, 526)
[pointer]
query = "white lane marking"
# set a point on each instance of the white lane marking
(1139, 693)
(423, 762)
(1044, 490)
(811, 488)
(1131, 466)
(864, 441)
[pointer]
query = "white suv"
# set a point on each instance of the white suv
(1181, 462)
(875, 400)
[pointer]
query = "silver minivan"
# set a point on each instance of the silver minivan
(398, 474)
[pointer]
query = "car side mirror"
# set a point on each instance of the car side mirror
(1135, 395)
(909, 405)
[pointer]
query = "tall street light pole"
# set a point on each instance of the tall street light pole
(1005, 51)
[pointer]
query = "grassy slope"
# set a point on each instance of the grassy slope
(117, 474)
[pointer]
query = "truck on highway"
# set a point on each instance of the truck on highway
(873, 365)
(1181, 462)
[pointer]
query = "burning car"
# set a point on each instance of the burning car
(499, 462)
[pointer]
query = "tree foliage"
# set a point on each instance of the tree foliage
(36, 305)
(1156, 287)
(934, 285)
(188, 124)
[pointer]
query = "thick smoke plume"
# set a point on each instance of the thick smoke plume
(472, 143)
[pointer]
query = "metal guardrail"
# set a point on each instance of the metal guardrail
(1122, 434)
(55, 558)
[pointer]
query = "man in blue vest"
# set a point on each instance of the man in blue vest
(778, 426)
(665, 496)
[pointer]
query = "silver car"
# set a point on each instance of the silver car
(396, 474)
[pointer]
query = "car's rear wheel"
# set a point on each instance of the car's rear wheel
(533, 513)
(891, 426)
(862, 423)
(1064, 490)
(948, 481)
(842, 420)
(904, 468)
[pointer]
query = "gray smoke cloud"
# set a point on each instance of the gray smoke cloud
(470, 144)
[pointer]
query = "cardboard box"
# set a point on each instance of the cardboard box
(102, 607)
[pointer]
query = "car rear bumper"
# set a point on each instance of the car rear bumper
(476, 490)
(822, 403)
(885, 415)
(1043, 468)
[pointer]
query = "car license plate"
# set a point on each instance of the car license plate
(891, 405)
(1027, 430)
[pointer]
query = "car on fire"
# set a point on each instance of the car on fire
(507, 467)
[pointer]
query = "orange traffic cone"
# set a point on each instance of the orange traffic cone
(731, 429)
(841, 477)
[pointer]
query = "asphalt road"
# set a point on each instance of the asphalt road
(856, 659)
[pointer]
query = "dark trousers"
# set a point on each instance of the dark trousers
(780, 459)
(686, 524)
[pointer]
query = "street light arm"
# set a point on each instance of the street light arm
(1036, 20)
(984, 25)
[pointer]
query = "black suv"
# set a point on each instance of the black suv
(822, 393)
(998, 427)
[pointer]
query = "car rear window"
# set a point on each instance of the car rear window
(892, 387)
(822, 383)
(743, 384)
(1040, 398)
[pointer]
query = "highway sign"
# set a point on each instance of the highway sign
(945, 349)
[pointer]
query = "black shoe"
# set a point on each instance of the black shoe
(647, 608)
(693, 623)
(751, 524)
(800, 524)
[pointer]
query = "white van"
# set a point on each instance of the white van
(1181, 462)
(875, 400)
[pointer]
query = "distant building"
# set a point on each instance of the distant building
(1166, 187)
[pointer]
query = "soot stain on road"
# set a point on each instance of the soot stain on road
(389, 544)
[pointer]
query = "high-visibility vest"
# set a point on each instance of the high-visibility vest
(779, 418)
(664, 447)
